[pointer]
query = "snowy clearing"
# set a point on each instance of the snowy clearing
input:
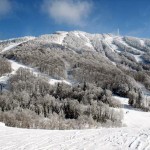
(136, 136)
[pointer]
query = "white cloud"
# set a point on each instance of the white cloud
(5, 7)
(73, 12)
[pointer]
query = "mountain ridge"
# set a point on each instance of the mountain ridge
(114, 64)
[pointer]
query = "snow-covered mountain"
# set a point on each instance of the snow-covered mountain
(134, 48)
(93, 68)
(130, 53)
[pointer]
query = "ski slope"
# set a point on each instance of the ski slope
(13, 45)
(56, 38)
(15, 66)
(134, 136)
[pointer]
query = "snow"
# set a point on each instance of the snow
(2, 124)
(113, 63)
(142, 42)
(61, 37)
(76, 34)
(143, 89)
(10, 46)
(138, 58)
(15, 65)
(134, 136)
(134, 118)
(54, 81)
(120, 39)
(19, 38)
(108, 40)
(89, 45)
(57, 37)
(13, 45)
(4, 79)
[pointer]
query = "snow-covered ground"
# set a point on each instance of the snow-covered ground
(134, 136)
(134, 118)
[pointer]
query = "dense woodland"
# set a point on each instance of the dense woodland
(5, 66)
(33, 103)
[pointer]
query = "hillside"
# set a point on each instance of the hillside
(72, 76)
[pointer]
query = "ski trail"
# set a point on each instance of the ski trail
(13, 45)
(61, 37)
(135, 136)
(104, 138)
(15, 66)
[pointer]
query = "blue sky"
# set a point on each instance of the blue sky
(35, 17)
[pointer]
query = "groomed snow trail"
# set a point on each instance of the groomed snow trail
(94, 139)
